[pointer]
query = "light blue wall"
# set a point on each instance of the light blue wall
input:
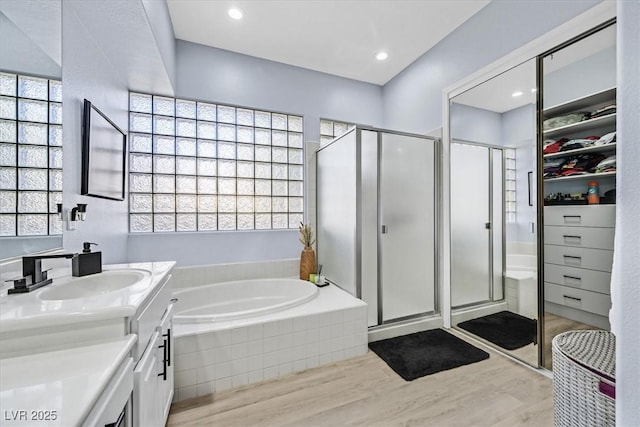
(596, 73)
(518, 130)
(88, 73)
(160, 22)
(413, 99)
(220, 76)
(21, 54)
(475, 124)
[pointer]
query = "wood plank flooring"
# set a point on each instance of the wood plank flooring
(364, 391)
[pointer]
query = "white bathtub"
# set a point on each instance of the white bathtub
(240, 299)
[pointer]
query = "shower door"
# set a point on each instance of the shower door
(476, 224)
(407, 233)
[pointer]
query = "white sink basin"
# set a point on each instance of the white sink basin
(95, 284)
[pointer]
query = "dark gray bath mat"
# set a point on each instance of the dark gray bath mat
(424, 353)
(506, 329)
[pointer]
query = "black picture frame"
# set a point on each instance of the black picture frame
(104, 155)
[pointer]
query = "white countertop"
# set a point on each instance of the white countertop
(29, 310)
(66, 383)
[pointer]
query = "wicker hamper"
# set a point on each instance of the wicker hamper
(584, 370)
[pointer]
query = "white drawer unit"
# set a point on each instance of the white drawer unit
(592, 259)
(578, 256)
(582, 237)
(580, 216)
(590, 280)
(146, 321)
(579, 299)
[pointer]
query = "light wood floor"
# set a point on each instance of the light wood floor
(364, 391)
(553, 325)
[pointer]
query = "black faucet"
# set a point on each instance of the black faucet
(33, 276)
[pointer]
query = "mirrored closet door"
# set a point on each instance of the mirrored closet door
(494, 292)
(578, 147)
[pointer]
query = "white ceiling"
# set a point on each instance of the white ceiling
(335, 37)
(496, 94)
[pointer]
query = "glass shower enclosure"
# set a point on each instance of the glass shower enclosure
(376, 214)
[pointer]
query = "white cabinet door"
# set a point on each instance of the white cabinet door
(165, 356)
(146, 403)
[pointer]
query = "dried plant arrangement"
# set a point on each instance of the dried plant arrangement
(306, 235)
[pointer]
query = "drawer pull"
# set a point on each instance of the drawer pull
(577, 279)
(567, 239)
(572, 260)
(573, 298)
(572, 219)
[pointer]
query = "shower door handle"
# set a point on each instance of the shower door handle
(384, 229)
(487, 225)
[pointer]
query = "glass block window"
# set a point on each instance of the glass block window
(30, 155)
(510, 184)
(330, 129)
(198, 166)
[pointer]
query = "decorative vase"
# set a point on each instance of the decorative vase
(307, 263)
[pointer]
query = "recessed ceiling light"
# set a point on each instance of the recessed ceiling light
(235, 13)
(516, 94)
(382, 55)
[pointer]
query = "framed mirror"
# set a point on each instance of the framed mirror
(104, 155)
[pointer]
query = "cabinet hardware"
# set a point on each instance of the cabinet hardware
(573, 298)
(572, 219)
(572, 277)
(487, 225)
(384, 229)
(168, 341)
(566, 236)
(572, 260)
(163, 374)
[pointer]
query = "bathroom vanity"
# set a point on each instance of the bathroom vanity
(95, 350)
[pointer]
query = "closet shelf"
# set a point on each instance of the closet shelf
(585, 177)
(582, 126)
(581, 104)
(593, 149)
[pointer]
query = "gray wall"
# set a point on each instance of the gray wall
(413, 99)
(216, 75)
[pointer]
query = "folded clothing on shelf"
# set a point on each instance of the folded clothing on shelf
(607, 165)
(606, 139)
(553, 166)
(581, 164)
(604, 111)
(565, 120)
(575, 144)
(552, 146)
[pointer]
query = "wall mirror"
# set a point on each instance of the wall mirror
(494, 291)
(30, 126)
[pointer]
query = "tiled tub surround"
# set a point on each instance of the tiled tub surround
(212, 357)
(184, 277)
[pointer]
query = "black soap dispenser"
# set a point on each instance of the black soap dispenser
(87, 262)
